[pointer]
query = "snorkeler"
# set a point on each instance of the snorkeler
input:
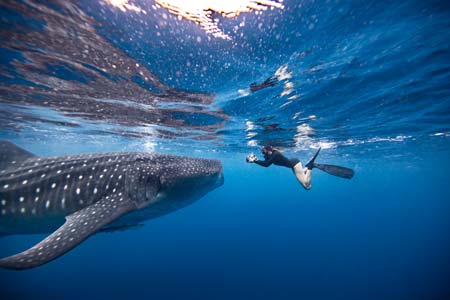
(271, 81)
(303, 174)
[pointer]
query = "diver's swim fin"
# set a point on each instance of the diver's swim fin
(310, 164)
(330, 169)
(335, 170)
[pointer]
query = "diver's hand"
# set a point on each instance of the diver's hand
(251, 158)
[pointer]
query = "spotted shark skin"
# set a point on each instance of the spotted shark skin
(76, 196)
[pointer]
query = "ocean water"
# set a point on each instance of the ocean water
(367, 81)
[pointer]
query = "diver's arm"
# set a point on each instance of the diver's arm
(264, 163)
(251, 158)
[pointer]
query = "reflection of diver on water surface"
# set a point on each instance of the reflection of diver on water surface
(269, 82)
(303, 174)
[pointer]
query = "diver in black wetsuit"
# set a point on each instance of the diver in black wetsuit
(271, 81)
(303, 174)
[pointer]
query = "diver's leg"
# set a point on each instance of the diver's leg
(303, 175)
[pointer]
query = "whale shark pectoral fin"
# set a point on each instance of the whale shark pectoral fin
(9, 153)
(78, 227)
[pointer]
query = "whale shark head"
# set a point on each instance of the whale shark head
(179, 180)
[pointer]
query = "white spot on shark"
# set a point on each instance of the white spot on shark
(78, 191)
(25, 181)
(53, 185)
(47, 204)
(21, 199)
(6, 186)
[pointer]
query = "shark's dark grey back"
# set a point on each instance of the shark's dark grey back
(11, 155)
(38, 187)
(33, 187)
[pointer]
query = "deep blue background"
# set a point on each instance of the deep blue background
(382, 235)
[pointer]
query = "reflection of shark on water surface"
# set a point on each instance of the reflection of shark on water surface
(91, 192)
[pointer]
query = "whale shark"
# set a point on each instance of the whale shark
(75, 196)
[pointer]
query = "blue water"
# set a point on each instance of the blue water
(367, 81)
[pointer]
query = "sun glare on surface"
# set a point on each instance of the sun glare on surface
(125, 5)
(201, 11)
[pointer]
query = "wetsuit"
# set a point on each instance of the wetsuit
(277, 158)
(271, 81)
(303, 174)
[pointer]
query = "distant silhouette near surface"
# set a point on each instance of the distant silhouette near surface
(269, 82)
